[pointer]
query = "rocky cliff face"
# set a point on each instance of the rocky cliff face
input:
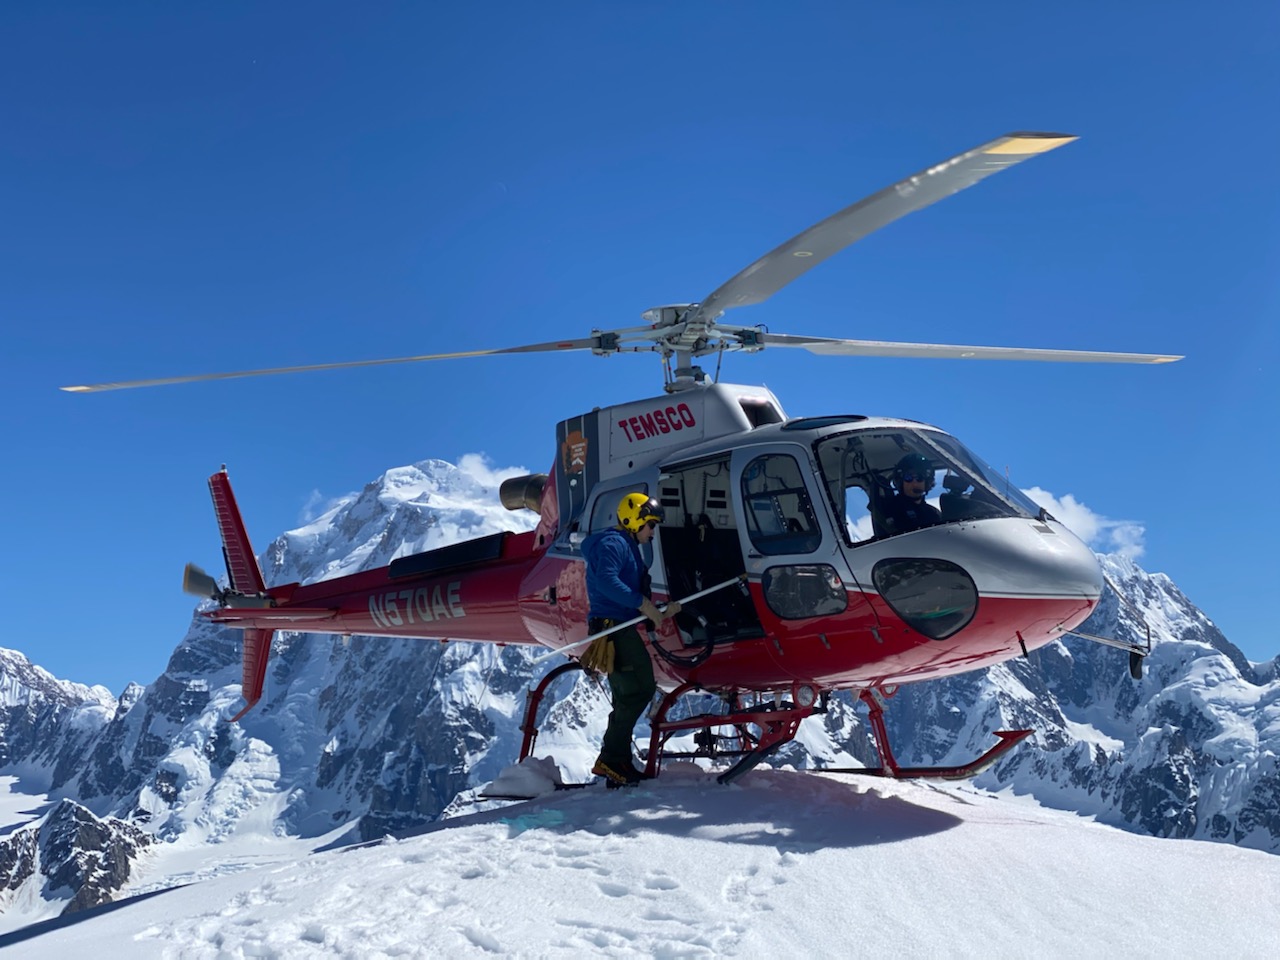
(383, 734)
(70, 855)
(43, 720)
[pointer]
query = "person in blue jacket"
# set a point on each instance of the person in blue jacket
(617, 591)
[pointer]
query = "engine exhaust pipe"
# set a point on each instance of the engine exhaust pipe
(523, 493)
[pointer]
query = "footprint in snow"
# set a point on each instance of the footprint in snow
(660, 882)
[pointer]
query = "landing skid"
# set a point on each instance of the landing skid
(758, 732)
(1008, 739)
(530, 796)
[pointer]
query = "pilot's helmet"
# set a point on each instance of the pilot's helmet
(637, 509)
(914, 465)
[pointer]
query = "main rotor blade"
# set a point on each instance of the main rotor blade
(585, 343)
(946, 351)
(805, 251)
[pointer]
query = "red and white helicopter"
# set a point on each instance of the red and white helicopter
(773, 540)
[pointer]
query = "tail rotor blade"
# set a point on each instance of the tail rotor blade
(198, 583)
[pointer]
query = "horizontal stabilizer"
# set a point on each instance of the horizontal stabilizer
(272, 615)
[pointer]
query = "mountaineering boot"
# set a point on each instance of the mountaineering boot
(616, 775)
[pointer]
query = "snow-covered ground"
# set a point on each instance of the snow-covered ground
(16, 807)
(780, 863)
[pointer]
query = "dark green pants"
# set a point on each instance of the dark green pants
(633, 685)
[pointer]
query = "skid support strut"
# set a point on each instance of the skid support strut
(890, 768)
(532, 701)
(758, 733)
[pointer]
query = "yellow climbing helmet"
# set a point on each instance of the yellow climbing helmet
(637, 509)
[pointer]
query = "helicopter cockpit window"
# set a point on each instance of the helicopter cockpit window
(996, 484)
(858, 470)
(780, 517)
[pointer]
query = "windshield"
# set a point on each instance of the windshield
(864, 473)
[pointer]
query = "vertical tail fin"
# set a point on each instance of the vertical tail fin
(257, 647)
(242, 565)
(246, 579)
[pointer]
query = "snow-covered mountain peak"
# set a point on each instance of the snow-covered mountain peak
(405, 511)
(21, 680)
(44, 720)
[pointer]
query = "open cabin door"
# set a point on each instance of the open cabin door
(701, 547)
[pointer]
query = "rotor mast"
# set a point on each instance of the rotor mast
(678, 341)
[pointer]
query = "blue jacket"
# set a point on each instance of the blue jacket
(615, 572)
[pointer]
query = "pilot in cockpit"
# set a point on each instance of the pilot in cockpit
(908, 510)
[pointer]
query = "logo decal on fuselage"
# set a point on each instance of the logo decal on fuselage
(398, 608)
(656, 422)
(573, 452)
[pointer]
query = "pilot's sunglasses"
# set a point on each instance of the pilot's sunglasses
(916, 477)
(651, 524)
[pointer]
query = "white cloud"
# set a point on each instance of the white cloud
(318, 505)
(480, 467)
(861, 529)
(1123, 537)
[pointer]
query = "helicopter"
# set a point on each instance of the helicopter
(793, 583)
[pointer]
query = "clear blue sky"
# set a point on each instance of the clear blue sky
(189, 188)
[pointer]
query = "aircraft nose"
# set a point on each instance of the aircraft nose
(952, 572)
(1030, 558)
(1015, 557)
